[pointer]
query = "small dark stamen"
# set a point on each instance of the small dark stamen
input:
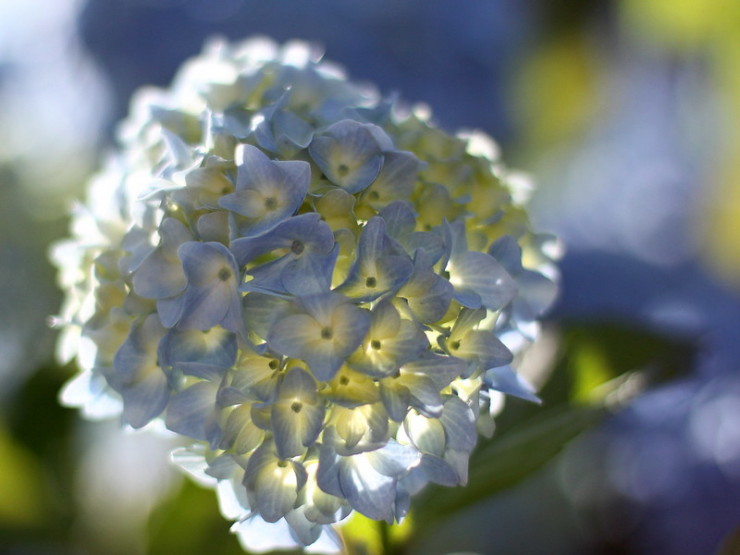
(270, 203)
(296, 407)
(224, 274)
(297, 247)
(326, 333)
(343, 380)
(342, 169)
(375, 344)
(282, 464)
(273, 364)
(446, 274)
(455, 345)
(371, 282)
(373, 195)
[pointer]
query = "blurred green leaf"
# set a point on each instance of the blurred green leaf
(600, 358)
(21, 484)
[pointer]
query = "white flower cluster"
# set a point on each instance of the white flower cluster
(324, 293)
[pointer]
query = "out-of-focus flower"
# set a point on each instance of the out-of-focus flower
(317, 288)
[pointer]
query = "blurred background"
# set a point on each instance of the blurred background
(627, 116)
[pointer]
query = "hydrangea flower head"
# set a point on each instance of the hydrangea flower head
(320, 291)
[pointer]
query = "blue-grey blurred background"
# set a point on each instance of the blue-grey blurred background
(627, 116)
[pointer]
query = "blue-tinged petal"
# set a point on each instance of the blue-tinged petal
(137, 245)
(381, 264)
(430, 243)
(237, 122)
(351, 389)
(358, 429)
(223, 466)
(336, 207)
(267, 278)
(327, 475)
(232, 499)
(257, 536)
(254, 168)
(146, 398)
(459, 424)
(296, 335)
(427, 434)
(284, 133)
(173, 233)
(427, 296)
(252, 379)
(440, 369)
(240, 433)
(272, 484)
(305, 231)
(298, 415)
(438, 471)
(396, 179)
(267, 191)
(436, 205)
(310, 275)
(537, 290)
(303, 529)
(206, 354)
(329, 542)
(214, 226)
(161, 274)
(467, 319)
(295, 426)
(369, 491)
(305, 268)
(301, 336)
(261, 310)
(390, 343)
(90, 391)
(396, 398)
(424, 394)
(193, 460)
(480, 281)
(367, 480)
(482, 347)
(192, 412)
(320, 507)
(458, 461)
(211, 297)
(250, 203)
(208, 306)
(506, 380)
(348, 154)
(325, 331)
(170, 310)
(136, 374)
(205, 185)
(206, 263)
(400, 219)
(295, 429)
(179, 153)
(508, 253)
